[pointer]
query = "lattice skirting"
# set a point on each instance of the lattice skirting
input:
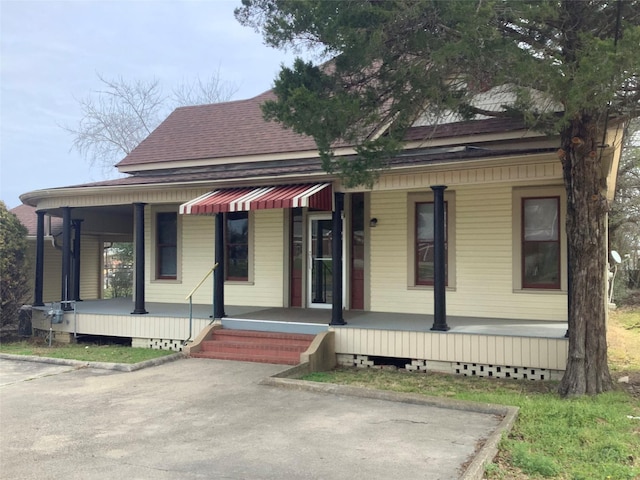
(456, 368)
(158, 344)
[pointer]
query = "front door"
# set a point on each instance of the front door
(320, 264)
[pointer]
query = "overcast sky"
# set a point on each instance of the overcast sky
(52, 50)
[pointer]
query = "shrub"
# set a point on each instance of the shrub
(14, 285)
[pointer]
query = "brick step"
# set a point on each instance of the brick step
(247, 357)
(233, 346)
(255, 346)
(254, 335)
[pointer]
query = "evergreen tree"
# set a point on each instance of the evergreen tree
(13, 266)
(390, 62)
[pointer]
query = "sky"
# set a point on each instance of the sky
(52, 51)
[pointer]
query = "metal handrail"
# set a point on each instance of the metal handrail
(190, 298)
(201, 282)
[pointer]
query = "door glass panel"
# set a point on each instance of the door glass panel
(321, 263)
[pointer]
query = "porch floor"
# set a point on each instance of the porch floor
(320, 317)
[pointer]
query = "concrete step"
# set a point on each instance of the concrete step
(245, 357)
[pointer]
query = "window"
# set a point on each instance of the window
(420, 239)
(424, 243)
(237, 246)
(167, 245)
(541, 242)
(296, 257)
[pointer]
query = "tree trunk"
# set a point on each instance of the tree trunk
(587, 369)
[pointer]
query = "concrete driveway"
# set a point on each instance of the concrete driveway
(199, 418)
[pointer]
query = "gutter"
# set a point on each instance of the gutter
(32, 198)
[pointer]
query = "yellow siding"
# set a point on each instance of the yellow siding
(198, 254)
(194, 260)
(388, 260)
(52, 267)
(533, 352)
(52, 272)
(90, 261)
(483, 250)
(509, 170)
(268, 256)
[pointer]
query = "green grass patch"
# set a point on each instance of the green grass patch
(628, 319)
(581, 438)
(83, 352)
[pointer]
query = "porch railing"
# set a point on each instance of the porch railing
(190, 298)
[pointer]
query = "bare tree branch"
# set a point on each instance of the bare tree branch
(116, 118)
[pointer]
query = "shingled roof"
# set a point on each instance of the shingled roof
(278, 170)
(27, 216)
(219, 130)
(238, 129)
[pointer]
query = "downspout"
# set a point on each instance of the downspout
(77, 224)
(66, 257)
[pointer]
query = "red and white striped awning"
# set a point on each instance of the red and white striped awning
(316, 195)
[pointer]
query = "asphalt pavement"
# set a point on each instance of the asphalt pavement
(213, 419)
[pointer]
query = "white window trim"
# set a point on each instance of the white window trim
(412, 200)
(155, 209)
(537, 192)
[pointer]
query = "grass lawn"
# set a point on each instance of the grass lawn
(83, 352)
(583, 438)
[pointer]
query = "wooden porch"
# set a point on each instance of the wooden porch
(470, 341)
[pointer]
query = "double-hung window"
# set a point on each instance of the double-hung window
(540, 243)
(166, 245)
(237, 246)
(424, 243)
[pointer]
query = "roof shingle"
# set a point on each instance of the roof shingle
(27, 216)
(219, 130)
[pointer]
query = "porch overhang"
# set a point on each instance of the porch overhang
(315, 195)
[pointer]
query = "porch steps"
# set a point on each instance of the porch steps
(255, 346)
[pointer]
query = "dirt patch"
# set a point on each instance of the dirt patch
(632, 386)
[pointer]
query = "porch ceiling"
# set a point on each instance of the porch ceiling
(83, 212)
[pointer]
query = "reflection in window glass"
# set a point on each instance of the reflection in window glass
(167, 245)
(296, 257)
(237, 246)
(424, 245)
(541, 242)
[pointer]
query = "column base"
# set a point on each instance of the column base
(440, 328)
